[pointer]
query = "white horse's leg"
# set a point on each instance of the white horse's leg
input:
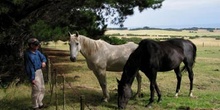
(139, 78)
(101, 76)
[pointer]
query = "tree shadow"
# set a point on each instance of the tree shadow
(15, 104)
(62, 65)
(92, 97)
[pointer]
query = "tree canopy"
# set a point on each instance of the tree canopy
(52, 19)
(28, 17)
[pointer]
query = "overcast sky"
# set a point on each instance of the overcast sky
(178, 14)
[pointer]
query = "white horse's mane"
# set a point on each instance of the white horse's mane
(90, 45)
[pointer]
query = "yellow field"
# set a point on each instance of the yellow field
(144, 34)
(206, 42)
(167, 34)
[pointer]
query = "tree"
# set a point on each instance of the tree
(88, 16)
(51, 19)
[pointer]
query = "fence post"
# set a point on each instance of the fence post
(52, 80)
(82, 102)
(48, 70)
(63, 92)
(56, 91)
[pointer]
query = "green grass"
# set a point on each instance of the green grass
(208, 52)
(81, 81)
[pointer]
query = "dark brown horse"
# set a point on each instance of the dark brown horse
(151, 57)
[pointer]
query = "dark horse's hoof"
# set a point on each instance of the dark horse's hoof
(149, 105)
(159, 100)
(141, 95)
(183, 108)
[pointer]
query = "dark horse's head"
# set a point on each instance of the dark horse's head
(124, 94)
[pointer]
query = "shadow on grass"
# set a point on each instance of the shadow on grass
(92, 97)
(17, 98)
(15, 104)
(63, 65)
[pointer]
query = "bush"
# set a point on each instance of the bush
(132, 39)
(113, 40)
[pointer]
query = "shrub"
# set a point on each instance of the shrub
(113, 40)
(132, 39)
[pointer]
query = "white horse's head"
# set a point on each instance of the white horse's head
(74, 45)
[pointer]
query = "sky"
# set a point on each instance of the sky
(178, 14)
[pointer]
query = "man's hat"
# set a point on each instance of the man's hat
(33, 41)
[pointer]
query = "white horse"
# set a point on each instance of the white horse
(101, 57)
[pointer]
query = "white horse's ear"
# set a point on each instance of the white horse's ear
(69, 33)
(77, 33)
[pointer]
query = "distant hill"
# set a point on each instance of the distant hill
(168, 29)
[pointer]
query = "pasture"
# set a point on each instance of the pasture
(79, 80)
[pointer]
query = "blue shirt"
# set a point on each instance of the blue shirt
(33, 62)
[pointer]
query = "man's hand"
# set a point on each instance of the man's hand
(43, 64)
(33, 82)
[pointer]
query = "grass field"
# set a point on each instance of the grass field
(79, 80)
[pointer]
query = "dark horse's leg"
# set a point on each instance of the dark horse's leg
(191, 75)
(189, 66)
(179, 78)
(153, 85)
(158, 92)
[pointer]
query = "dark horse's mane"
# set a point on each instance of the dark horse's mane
(153, 56)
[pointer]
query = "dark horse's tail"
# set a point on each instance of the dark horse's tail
(192, 60)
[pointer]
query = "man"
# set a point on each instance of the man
(34, 61)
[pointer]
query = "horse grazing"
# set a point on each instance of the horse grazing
(151, 57)
(101, 57)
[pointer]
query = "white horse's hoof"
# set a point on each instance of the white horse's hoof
(105, 99)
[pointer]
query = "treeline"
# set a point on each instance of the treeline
(167, 29)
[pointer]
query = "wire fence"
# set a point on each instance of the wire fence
(52, 78)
